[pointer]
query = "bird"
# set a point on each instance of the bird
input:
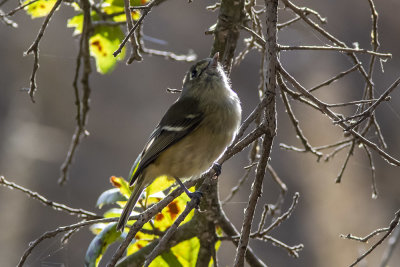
(192, 135)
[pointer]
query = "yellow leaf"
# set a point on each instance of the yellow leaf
(168, 215)
(159, 184)
(187, 251)
(103, 43)
(40, 8)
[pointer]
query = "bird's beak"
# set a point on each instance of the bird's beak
(214, 61)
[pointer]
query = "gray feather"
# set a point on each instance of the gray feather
(123, 219)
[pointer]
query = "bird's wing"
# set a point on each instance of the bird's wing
(181, 119)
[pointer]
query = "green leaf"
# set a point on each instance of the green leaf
(141, 240)
(159, 262)
(40, 8)
(187, 251)
(170, 259)
(77, 23)
(159, 184)
(122, 185)
(103, 43)
(112, 213)
(100, 243)
(110, 196)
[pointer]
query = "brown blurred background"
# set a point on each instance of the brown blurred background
(128, 103)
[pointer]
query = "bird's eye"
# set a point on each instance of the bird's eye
(193, 73)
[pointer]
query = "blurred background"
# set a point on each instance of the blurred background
(128, 103)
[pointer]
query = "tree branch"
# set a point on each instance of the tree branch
(270, 120)
(57, 206)
(34, 48)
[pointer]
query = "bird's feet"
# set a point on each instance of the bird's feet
(195, 196)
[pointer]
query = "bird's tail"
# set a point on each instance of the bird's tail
(130, 204)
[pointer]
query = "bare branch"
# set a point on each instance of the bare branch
(57, 206)
(135, 53)
(270, 120)
(337, 77)
(226, 31)
(392, 242)
(61, 229)
(300, 11)
(15, 10)
(335, 48)
(34, 48)
(146, 9)
(230, 230)
(337, 150)
(281, 219)
(292, 250)
(393, 224)
(171, 231)
(372, 166)
(366, 113)
(82, 106)
(299, 132)
(189, 57)
(349, 154)
(280, 26)
(253, 154)
(324, 108)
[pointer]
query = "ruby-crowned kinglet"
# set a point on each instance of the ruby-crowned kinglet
(193, 133)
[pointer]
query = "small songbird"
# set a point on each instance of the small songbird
(193, 133)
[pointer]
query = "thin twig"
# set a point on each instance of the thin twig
(236, 188)
(263, 218)
(54, 205)
(172, 229)
(392, 242)
(252, 157)
(335, 48)
(256, 35)
(146, 9)
(61, 229)
(299, 132)
(34, 48)
(349, 154)
(341, 142)
(356, 102)
(255, 194)
(292, 250)
(7, 21)
(367, 237)
(372, 167)
(393, 224)
(135, 53)
(82, 105)
(281, 218)
(230, 230)
(340, 75)
(189, 57)
(15, 10)
(276, 179)
(366, 113)
(336, 150)
(301, 12)
(280, 26)
(324, 108)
